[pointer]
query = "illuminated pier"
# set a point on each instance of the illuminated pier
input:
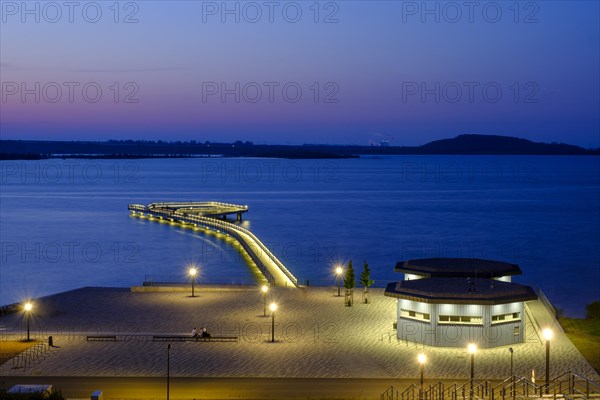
(212, 216)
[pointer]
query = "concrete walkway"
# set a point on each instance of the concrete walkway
(316, 337)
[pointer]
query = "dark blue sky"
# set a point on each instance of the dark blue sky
(301, 72)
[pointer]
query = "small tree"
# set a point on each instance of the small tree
(349, 284)
(349, 281)
(366, 281)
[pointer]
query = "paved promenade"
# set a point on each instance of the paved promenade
(316, 337)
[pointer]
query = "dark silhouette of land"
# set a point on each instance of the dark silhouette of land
(460, 145)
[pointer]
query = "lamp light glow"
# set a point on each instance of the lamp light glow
(28, 307)
(338, 272)
(548, 334)
(273, 307)
(422, 358)
(472, 348)
(192, 272)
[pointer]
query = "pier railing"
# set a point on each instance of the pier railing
(192, 203)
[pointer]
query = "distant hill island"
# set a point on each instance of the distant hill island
(460, 145)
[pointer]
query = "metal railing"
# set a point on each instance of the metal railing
(513, 387)
(413, 392)
(192, 203)
(471, 389)
(390, 394)
(571, 384)
(567, 385)
(435, 391)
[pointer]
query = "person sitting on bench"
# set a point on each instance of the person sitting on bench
(194, 333)
(205, 334)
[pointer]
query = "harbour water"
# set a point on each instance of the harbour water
(64, 223)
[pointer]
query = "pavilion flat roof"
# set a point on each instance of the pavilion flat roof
(457, 267)
(460, 291)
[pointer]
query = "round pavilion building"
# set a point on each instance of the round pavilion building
(450, 302)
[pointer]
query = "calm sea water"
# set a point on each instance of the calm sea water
(64, 223)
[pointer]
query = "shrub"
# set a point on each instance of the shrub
(593, 310)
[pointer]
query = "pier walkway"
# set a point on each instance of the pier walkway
(212, 216)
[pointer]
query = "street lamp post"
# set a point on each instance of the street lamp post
(264, 291)
(512, 371)
(192, 272)
(168, 371)
(28, 307)
(273, 308)
(422, 359)
(548, 335)
(338, 272)
(472, 348)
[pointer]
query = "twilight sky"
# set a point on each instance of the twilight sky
(300, 72)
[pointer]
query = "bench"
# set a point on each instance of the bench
(172, 338)
(101, 337)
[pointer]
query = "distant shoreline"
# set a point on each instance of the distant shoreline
(130, 149)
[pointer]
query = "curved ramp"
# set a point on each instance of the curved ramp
(191, 214)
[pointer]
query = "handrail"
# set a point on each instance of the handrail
(586, 380)
(435, 391)
(557, 385)
(390, 394)
(512, 384)
(521, 388)
(409, 392)
(470, 389)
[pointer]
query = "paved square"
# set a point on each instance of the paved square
(316, 337)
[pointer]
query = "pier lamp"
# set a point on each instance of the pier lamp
(264, 289)
(192, 272)
(422, 359)
(28, 307)
(548, 335)
(338, 272)
(273, 308)
(472, 349)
